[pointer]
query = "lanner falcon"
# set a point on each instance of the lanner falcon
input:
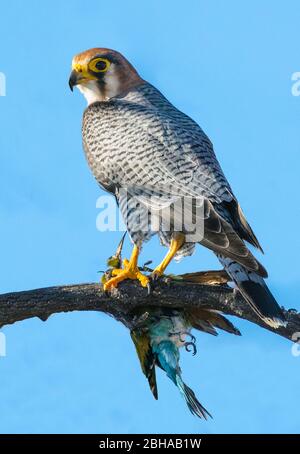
(154, 158)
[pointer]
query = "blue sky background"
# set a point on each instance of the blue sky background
(229, 66)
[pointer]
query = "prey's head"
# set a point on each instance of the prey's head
(101, 74)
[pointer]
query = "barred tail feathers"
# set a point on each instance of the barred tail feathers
(255, 292)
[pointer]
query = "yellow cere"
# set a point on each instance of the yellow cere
(77, 67)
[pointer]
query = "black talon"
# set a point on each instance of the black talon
(193, 339)
(156, 277)
(292, 311)
(193, 349)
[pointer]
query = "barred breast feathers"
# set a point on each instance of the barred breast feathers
(141, 142)
(144, 129)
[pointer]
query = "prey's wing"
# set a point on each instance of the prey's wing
(207, 320)
(146, 357)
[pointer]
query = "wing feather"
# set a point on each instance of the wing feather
(146, 357)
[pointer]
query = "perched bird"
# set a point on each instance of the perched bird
(158, 340)
(154, 158)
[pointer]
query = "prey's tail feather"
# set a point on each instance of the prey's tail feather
(191, 400)
(255, 292)
(167, 357)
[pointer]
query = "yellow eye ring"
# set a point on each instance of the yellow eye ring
(99, 65)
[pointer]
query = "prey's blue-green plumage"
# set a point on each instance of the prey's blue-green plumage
(160, 337)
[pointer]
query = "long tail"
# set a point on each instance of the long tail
(256, 293)
(191, 400)
(167, 357)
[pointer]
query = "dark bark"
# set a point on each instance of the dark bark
(121, 303)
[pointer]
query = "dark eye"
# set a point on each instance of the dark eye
(101, 65)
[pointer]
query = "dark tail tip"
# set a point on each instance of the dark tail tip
(263, 302)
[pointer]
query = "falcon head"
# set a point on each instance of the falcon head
(101, 74)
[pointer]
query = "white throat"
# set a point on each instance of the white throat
(92, 92)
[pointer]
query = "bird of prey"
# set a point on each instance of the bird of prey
(160, 336)
(153, 158)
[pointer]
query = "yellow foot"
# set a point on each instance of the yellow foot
(130, 271)
(176, 243)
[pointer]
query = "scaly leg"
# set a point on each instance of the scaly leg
(176, 243)
(129, 271)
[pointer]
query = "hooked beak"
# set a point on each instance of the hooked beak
(75, 79)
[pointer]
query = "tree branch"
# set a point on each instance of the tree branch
(121, 303)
